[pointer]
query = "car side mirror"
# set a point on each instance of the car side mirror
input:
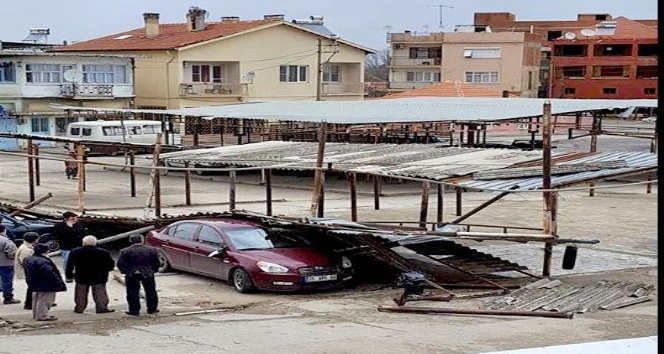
(218, 252)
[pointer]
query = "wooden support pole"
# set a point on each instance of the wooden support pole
(187, 184)
(321, 196)
(232, 179)
(481, 206)
(376, 188)
(549, 227)
(439, 202)
(81, 171)
(35, 202)
(320, 154)
(268, 192)
(353, 196)
(424, 205)
(80, 150)
(31, 172)
(649, 185)
(197, 127)
(154, 187)
(35, 151)
(459, 193)
(132, 173)
(156, 184)
(440, 310)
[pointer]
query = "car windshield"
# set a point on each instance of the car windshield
(251, 238)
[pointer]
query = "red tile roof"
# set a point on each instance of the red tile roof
(448, 89)
(171, 36)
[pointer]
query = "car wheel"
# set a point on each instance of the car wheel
(242, 281)
(53, 244)
(199, 171)
(164, 265)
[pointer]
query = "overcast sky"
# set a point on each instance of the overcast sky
(362, 21)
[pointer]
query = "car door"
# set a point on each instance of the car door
(208, 241)
(178, 243)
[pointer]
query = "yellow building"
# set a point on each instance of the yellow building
(199, 63)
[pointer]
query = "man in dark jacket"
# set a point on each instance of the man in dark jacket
(138, 263)
(69, 233)
(44, 278)
(89, 266)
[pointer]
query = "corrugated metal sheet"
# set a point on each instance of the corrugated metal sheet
(399, 110)
(429, 161)
(634, 161)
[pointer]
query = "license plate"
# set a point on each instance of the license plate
(315, 278)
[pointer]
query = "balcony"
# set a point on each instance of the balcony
(86, 91)
(342, 88)
(407, 61)
(414, 37)
(214, 89)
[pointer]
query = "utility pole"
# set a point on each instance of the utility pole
(319, 63)
(440, 14)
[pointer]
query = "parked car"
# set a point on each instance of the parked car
(17, 227)
(247, 257)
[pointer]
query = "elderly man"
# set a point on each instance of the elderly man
(89, 265)
(7, 255)
(25, 250)
(138, 263)
(44, 279)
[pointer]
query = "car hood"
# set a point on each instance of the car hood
(292, 258)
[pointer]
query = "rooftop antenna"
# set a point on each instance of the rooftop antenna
(440, 14)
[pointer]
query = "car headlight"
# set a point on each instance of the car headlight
(268, 267)
(345, 262)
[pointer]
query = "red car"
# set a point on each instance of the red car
(247, 257)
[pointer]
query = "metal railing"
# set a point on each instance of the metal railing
(86, 90)
(342, 88)
(407, 61)
(216, 89)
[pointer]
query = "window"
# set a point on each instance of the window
(209, 236)
(569, 90)
(481, 53)
(530, 80)
(185, 231)
(7, 72)
(611, 71)
(42, 73)
(75, 131)
(647, 50)
(425, 53)
(39, 125)
(87, 132)
(293, 73)
(482, 77)
(570, 50)
(553, 35)
(105, 74)
(150, 129)
(134, 130)
(570, 71)
(422, 76)
(207, 73)
(107, 131)
(646, 72)
(649, 91)
(613, 50)
(609, 91)
(331, 73)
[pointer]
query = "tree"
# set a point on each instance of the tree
(375, 66)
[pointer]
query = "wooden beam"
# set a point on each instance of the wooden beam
(31, 172)
(320, 155)
(80, 150)
(377, 189)
(352, 180)
(459, 193)
(35, 151)
(268, 192)
(440, 204)
(132, 173)
(549, 227)
(154, 187)
(187, 184)
(482, 206)
(37, 201)
(231, 189)
(424, 205)
(321, 195)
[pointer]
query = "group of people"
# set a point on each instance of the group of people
(84, 263)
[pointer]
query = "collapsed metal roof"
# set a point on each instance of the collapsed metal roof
(399, 110)
(436, 162)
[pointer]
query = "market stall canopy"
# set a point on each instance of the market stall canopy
(402, 110)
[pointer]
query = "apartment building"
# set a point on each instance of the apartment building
(594, 56)
(31, 78)
(475, 55)
(202, 63)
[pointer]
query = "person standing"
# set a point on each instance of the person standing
(138, 263)
(69, 233)
(7, 255)
(25, 250)
(45, 280)
(89, 266)
(71, 166)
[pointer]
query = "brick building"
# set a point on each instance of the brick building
(596, 56)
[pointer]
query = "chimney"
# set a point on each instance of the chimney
(196, 19)
(230, 19)
(151, 24)
(274, 17)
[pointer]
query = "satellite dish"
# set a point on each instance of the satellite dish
(588, 32)
(73, 75)
(570, 35)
